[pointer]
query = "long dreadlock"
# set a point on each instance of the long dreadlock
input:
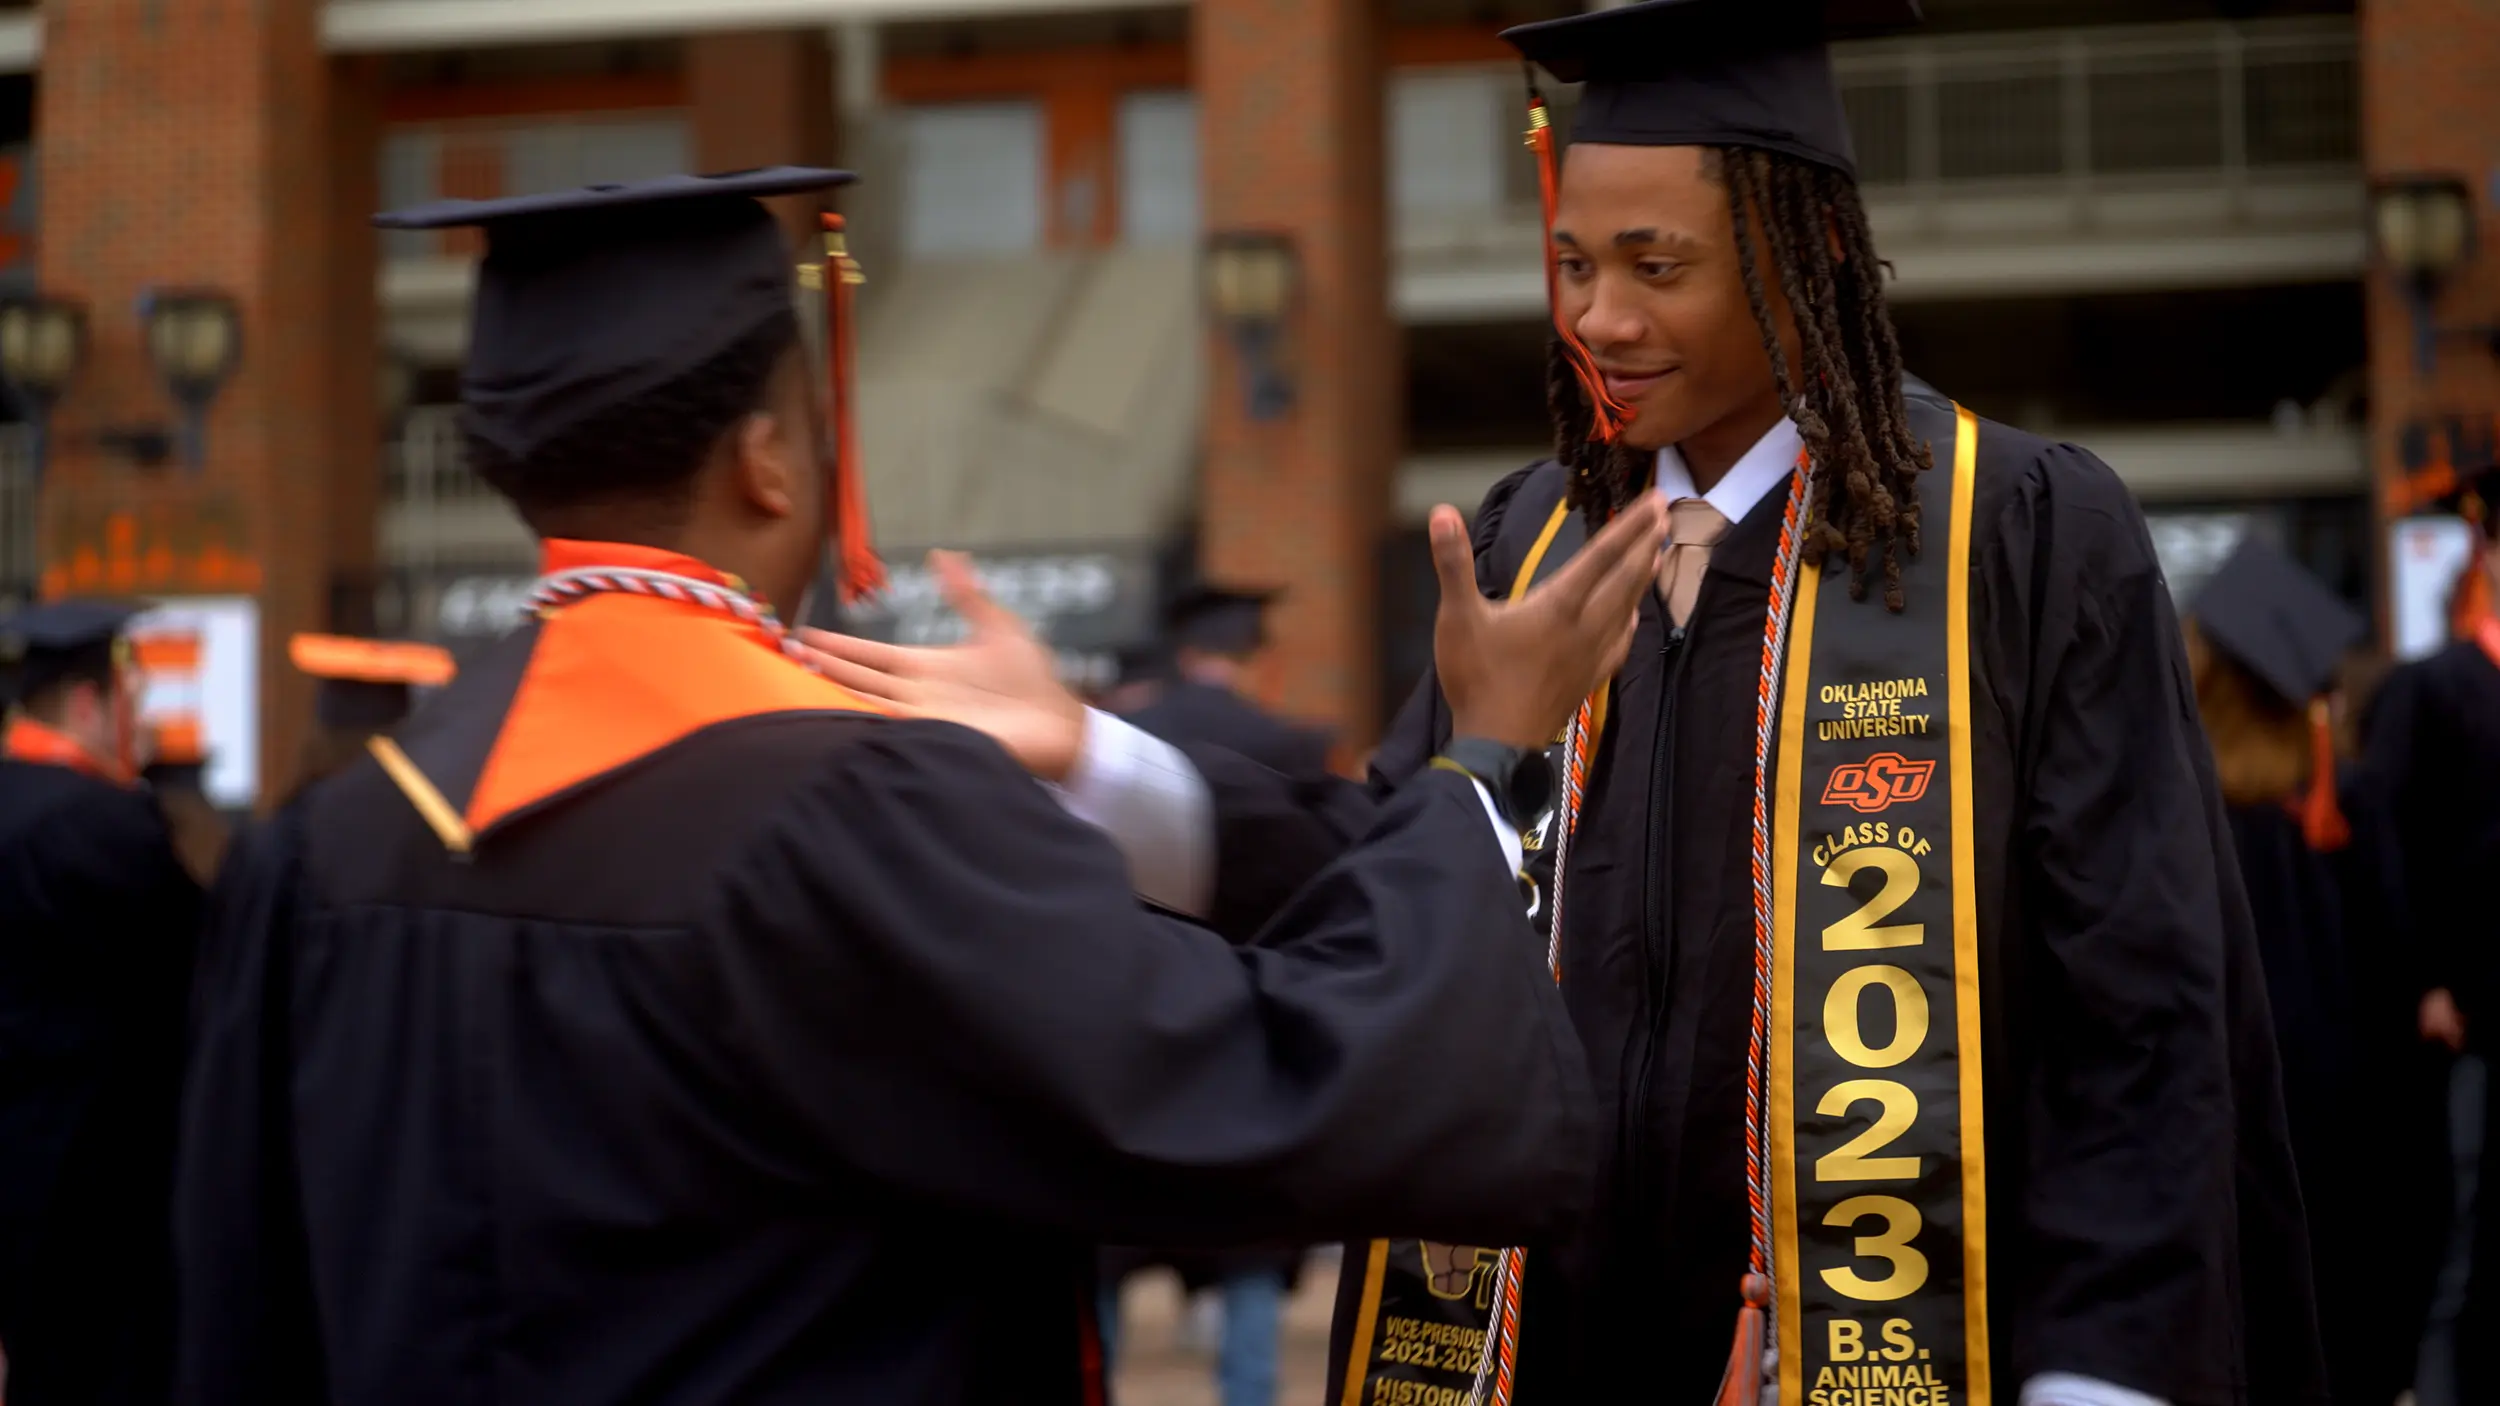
(1846, 404)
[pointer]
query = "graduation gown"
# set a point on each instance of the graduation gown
(763, 1049)
(2364, 1095)
(2145, 1226)
(96, 923)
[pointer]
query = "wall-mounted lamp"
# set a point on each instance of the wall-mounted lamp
(195, 341)
(2423, 227)
(1253, 277)
(42, 342)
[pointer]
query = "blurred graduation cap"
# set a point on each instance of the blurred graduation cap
(1220, 619)
(588, 298)
(368, 685)
(1754, 73)
(2265, 611)
(2289, 631)
(44, 645)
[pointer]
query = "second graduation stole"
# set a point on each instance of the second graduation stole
(1865, 1147)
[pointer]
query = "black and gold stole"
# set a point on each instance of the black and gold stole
(1878, 1184)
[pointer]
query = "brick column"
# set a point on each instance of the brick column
(763, 99)
(1290, 117)
(190, 145)
(2429, 105)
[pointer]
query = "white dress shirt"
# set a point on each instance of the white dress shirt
(1762, 468)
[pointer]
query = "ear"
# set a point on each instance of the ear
(1831, 234)
(766, 474)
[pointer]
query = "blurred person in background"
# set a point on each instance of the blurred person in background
(365, 689)
(97, 918)
(2319, 857)
(652, 1018)
(1217, 634)
(2434, 742)
(1985, 603)
(176, 774)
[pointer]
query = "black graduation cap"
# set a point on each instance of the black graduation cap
(1752, 73)
(587, 298)
(2281, 622)
(1220, 619)
(367, 685)
(40, 645)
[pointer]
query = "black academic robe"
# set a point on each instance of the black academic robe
(2363, 1094)
(96, 923)
(2434, 743)
(803, 1058)
(2145, 1226)
(1191, 714)
(1188, 712)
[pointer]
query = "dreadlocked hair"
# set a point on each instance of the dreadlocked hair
(1846, 396)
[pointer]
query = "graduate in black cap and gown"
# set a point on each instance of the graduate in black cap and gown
(96, 925)
(651, 1018)
(2319, 856)
(2434, 743)
(1216, 633)
(1897, 907)
(366, 688)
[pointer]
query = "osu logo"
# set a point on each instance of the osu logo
(1878, 783)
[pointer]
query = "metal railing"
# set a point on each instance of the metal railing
(2086, 108)
(444, 532)
(2104, 104)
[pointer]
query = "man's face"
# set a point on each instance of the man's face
(1648, 275)
(795, 446)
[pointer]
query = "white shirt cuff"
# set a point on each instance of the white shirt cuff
(1514, 850)
(2069, 1389)
(1145, 796)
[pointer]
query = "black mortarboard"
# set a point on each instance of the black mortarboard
(367, 685)
(2275, 618)
(587, 298)
(40, 645)
(1752, 73)
(1219, 619)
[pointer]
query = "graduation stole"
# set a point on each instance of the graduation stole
(1864, 1146)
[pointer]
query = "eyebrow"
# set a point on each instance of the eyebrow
(1674, 239)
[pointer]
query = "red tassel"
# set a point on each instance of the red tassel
(2322, 822)
(1742, 1383)
(1607, 416)
(861, 571)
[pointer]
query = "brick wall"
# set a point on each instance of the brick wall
(1290, 122)
(193, 145)
(2430, 104)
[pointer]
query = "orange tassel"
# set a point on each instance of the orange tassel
(861, 572)
(1742, 1383)
(2322, 822)
(1607, 416)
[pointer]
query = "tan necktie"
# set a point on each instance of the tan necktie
(1692, 526)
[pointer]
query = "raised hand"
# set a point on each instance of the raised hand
(1515, 671)
(999, 680)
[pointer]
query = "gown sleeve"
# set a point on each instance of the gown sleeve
(2153, 1107)
(1389, 1055)
(245, 1325)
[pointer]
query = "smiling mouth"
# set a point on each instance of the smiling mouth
(1628, 385)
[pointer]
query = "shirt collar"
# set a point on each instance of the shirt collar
(1762, 468)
